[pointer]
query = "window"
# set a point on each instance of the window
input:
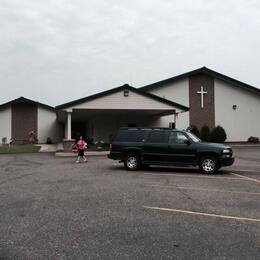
(177, 138)
(157, 136)
(131, 135)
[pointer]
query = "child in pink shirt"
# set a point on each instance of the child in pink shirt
(81, 145)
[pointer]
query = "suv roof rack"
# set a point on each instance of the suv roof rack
(147, 128)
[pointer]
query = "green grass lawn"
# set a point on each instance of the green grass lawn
(28, 148)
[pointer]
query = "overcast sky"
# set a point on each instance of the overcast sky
(54, 51)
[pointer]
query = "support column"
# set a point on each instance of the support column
(175, 119)
(68, 142)
(68, 126)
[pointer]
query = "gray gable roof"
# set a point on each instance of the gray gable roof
(24, 100)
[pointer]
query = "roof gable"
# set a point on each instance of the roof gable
(92, 101)
(206, 71)
(25, 100)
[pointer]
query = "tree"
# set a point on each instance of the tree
(205, 133)
(218, 134)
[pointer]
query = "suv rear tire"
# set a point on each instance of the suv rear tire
(209, 165)
(132, 162)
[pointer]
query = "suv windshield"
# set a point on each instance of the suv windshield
(193, 137)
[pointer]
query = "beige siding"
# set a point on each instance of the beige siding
(119, 101)
(48, 126)
(242, 122)
(177, 92)
(181, 122)
(5, 124)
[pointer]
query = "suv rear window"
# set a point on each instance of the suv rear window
(130, 135)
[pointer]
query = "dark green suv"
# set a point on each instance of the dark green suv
(165, 146)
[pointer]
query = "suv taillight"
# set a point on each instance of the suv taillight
(110, 147)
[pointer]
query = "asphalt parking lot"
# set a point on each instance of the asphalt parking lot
(52, 208)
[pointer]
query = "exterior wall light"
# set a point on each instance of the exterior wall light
(126, 92)
(234, 107)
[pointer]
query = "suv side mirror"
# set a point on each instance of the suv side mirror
(188, 142)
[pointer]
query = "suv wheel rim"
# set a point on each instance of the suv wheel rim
(131, 162)
(208, 165)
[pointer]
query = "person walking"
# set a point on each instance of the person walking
(81, 145)
(32, 137)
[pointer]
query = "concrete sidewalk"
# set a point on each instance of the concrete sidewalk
(89, 153)
(47, 148)
(58, 150)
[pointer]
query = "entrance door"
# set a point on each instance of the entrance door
(78, 129)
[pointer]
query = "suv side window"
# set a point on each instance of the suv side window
(133, 135)
(158, 136)
(177, 138)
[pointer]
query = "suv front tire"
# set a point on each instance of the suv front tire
(209, 165)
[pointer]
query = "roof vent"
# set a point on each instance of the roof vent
(126, 92)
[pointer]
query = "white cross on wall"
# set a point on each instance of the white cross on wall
(202, 93)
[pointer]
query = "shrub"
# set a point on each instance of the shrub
(193, 129)
(218, 134)
(205, 133)
(90, 141)
(253, 139)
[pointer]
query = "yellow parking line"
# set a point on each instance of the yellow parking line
(245, 177)
(201, 189)
(202, 214)
(258, 171)
(191, 176)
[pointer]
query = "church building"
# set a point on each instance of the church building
(213, 99)
(199, 97)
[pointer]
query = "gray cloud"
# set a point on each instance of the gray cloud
(56, 51)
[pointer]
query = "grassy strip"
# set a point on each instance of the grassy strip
(5, 149)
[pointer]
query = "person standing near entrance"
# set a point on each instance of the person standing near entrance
(32, 137)
(81, 145)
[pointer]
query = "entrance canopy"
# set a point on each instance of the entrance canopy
(102, 114)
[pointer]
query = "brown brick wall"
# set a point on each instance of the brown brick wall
(201, 116)
(24, 120)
